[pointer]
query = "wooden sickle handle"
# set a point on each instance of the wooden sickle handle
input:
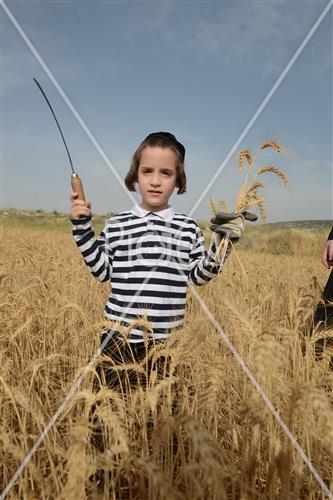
(77, 186)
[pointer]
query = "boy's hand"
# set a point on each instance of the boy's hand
(327, 257)
(79, 208)
(231, 224)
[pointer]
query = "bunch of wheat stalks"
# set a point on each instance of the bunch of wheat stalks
(250, 195)
(219, 441)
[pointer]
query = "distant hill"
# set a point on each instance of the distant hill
(40, 219)
(293, 238)
(310, 225)
(300, 237)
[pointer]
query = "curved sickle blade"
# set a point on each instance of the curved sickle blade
(54, 116)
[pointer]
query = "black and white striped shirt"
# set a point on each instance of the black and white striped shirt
(150, 258)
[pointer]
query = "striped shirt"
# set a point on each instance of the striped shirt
(150, 258)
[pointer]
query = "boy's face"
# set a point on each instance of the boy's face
(156, 172)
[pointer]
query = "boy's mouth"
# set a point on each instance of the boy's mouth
(155, 192)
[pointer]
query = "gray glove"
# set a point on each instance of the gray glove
(231, 224)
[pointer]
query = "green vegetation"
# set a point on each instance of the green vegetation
(39, 219)
(297, 238)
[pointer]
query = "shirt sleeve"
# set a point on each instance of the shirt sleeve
(96, 253)
(330, 236)
(203, 265)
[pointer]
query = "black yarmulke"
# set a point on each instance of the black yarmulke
(169, 138)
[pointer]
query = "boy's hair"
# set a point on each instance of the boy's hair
(132, 175)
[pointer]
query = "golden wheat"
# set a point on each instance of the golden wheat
(249, 195)
(272, 144)
(245, 154)
(223, 206)
(212, 205)
(200, 431)
(274, 170)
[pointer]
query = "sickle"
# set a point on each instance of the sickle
(75, 179)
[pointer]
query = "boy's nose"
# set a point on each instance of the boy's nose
(155, 182)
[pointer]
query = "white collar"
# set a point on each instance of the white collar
(166, 214)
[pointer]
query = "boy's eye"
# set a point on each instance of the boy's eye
(165, 173)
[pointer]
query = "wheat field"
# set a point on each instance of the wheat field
(229, 444)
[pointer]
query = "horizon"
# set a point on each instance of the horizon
(101, 214)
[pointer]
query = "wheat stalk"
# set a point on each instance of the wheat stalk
(274, 170)
(143, 322)
(272, 144)
(213, 206)
(223, 206)
(40, 367)
(253, 186)
(245, 154)
(249, 194)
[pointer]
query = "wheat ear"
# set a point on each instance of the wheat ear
(273, 170)
(272, 144)
(212, 205)
(245, 154)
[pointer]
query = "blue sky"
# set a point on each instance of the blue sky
(197, 69)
